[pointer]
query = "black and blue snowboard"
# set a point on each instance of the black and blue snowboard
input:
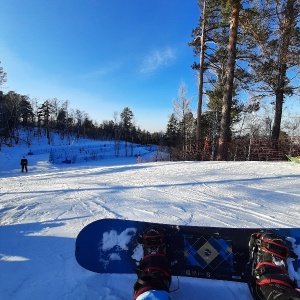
(111, 246)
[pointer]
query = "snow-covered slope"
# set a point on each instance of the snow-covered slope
(42, 211)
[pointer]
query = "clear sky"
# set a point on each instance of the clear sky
(101, 55)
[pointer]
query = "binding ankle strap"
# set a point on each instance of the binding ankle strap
(153, 241)
(274, 248)
(270, 280)
(263, 267)
(157, 262)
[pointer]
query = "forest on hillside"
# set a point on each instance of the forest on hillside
(247, 59)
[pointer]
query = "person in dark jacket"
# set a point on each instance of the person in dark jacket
(24, 163)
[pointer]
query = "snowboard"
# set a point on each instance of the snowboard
(111, 246)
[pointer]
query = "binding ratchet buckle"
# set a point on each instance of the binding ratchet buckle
(274, 248)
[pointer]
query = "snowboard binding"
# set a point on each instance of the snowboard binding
(268, 254)
(154, 271)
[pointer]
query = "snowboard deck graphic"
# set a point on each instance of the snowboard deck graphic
(110, 246)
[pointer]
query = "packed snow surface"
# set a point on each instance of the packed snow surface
(42, 211)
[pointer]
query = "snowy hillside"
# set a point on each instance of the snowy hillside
(42, 211)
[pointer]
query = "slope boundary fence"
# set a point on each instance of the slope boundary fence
(247, 149)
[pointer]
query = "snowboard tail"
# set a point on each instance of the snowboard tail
(111, 246)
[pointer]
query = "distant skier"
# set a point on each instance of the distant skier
(24, 164)
(268, 261)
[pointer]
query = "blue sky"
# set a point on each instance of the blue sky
(101, 55)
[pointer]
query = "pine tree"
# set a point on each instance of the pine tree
(172, 133)
(276, 60)
(223, 76)
(229, 74)
(126, 125)
(204, 46)
(44, 112)
(26, 112)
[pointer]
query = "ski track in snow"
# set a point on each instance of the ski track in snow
(43, 211)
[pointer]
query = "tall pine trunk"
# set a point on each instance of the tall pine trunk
(278, 106)
(286, 35)
(201, 71)
(227, 97)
